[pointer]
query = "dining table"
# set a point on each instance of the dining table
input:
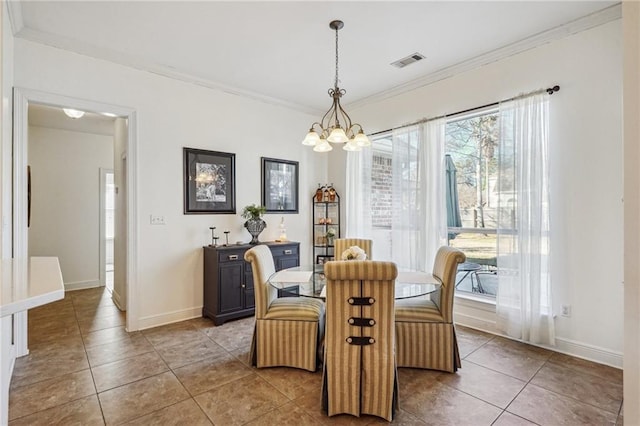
(309, 281)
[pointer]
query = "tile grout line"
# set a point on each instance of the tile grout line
(95, 387)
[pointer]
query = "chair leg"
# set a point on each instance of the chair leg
(253, 352)
(325, 392)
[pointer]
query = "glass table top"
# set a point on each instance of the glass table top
(309, 281)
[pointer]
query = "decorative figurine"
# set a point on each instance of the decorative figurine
(319, 194)
(332, 193)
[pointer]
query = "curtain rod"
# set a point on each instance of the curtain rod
(549, 90)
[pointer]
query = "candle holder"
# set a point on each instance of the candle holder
(213, 236)
(226, 236)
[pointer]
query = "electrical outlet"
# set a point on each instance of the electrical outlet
(156, 220)
(566, 310)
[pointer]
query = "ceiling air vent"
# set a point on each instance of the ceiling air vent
(414, 57)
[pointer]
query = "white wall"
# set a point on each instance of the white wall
(586, 171)
(119, 294)
(65, 200)
(631, 24)
(7, 346)
(5, 132)
(172, 115)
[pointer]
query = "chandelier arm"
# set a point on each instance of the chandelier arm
(347, 119)
(327, 115)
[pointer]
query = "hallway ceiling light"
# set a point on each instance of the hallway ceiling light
(330, 128)
(73, 113)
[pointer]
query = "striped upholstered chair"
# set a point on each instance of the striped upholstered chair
(425, 334)
(359, 374)
(289, 329)
(341, 244)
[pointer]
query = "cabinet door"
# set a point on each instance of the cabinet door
(285, 262)
(231, 286)
(249, 292)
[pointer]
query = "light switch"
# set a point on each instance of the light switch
(157, 220)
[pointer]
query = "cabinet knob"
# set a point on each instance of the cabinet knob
(288, 252)
(233, 257)
(242, 285)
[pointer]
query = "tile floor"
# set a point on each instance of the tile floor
(85, 369)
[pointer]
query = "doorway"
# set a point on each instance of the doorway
(22, 99)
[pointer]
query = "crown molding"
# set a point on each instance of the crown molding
(14, 10)
(581, 24)
(130, 61)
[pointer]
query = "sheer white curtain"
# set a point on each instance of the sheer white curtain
(523, 302)
(418, 225)
(358, 195)
(419, 218)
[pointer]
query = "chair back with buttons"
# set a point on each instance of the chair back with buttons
(359, 371)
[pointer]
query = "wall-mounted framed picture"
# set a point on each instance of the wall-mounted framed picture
(279, 185)
(209, 182)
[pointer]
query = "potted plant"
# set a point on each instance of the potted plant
(254, 224)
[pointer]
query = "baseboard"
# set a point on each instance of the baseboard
(117, 299)
(169, 317)
(588, 352)
(482, 317)
(475, 322)
(475, 314)
(81, 285)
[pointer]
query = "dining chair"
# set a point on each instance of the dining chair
(341, 244)
(359, 375)
(288, 330)
(425, 333)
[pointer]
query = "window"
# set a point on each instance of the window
(471, 147)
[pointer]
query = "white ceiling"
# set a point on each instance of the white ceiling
(54, 117)
(283, 52)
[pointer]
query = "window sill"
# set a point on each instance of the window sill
(477, 302)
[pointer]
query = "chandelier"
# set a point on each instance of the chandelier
(336, 126)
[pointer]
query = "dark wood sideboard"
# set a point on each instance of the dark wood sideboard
(228, 279)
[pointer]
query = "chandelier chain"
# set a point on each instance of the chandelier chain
(336, 82)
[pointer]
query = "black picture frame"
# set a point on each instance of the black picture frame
(209, 182)
(321, 259)
(279, 185)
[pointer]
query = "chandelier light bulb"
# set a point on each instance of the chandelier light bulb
(351, 146)
(73, 113)
(338, 135)
(361, 139)
(322, 146)
(311, 139)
